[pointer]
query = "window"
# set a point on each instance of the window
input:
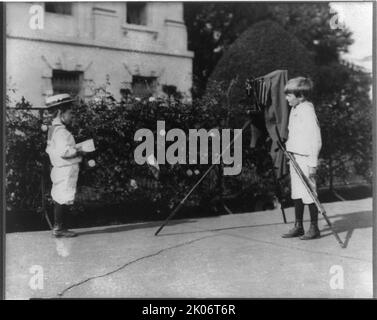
(125, 93)
(59, 7)
(136, 13)
(67, 82)
(143, 86)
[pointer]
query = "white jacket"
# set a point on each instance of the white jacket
(62, 144)
(304, 134)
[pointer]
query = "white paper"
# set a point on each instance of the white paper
(87, 145)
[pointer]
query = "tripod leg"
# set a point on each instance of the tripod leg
(174, 212)
(48, 219)
(341, 243)
(227, 209)
(221, 189)
(178, 207)
(308, 187)
(279, 196)
(313, 195)
(283, 213)
(44, 209)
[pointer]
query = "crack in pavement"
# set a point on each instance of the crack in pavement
(61, 293)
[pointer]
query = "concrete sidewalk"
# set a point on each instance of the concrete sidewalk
(240, 255)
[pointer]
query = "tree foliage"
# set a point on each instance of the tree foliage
(310, 23)
(341, 93)
(261, 49)
(212, 28)
(345, 114)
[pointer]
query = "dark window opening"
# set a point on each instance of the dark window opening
(137, 13)
(67, 82)
(143, 86)
(172, 91)
(59, 7)
(125, 93)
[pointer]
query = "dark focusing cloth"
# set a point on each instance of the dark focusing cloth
(276, 115)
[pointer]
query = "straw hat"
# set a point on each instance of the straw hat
(58, 100)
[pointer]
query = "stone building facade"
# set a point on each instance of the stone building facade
(80, 47)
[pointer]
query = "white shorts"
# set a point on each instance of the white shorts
(298, 189)
(64, 181)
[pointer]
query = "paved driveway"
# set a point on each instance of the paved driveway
(240, 255)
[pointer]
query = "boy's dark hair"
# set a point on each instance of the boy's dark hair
(301, 87)
(62, 107)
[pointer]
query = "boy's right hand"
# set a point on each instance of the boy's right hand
(80, 151)
(312, 172)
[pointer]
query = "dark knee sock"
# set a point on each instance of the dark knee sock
(59, 215)
(299, 211)
(313, 213)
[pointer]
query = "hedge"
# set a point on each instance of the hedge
(112, 125)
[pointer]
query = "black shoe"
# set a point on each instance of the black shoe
(296, 231)
(313, 233)
(63, 233)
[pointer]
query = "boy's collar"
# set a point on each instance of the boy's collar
(302, 102)
(57, 121)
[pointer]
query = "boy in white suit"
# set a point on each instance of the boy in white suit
(304, 141)
(65, 158)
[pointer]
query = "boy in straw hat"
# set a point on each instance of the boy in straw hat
(65, 158)
(304, 141)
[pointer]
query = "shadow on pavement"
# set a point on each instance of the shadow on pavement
(348, 223)
(122, 228)
(225, 228)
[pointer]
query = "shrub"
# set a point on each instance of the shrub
(24, 158)
(112, 125)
